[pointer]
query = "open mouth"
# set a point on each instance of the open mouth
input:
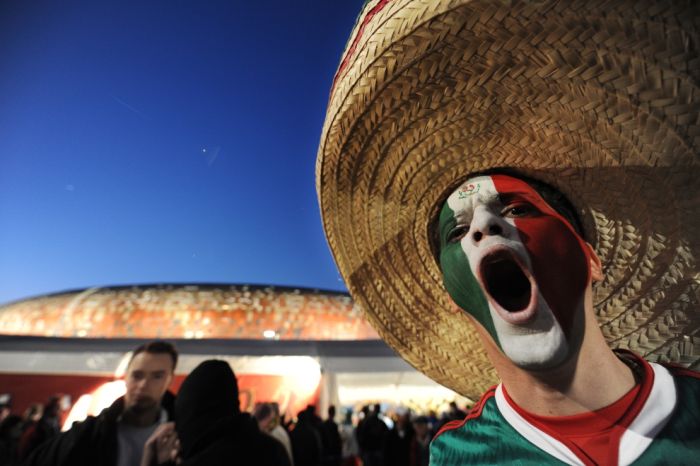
(506, 282)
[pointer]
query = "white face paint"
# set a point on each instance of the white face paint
(528, 334)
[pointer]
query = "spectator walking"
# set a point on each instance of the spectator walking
(420, 446)
(280, 433)
(267, 416)
(397, 447)
(10, 431)
(455, 413)
(264, 417)
(332, 445)
(36, 433)
(349, 441)
(211, 429)
(306, 440)
(32, 415)
(370, 437)
(5, 406)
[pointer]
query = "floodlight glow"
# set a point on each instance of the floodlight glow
(78, 412)
(94, 403)
(120, 371)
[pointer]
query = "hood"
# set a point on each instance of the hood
(206, 403)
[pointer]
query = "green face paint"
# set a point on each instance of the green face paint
(459, 281)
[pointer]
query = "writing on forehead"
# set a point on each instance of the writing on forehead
(468, 190)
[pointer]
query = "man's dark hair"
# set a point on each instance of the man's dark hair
(551, 195)
(262, 411)
(51, 408)
(421, 420)
(157, 347)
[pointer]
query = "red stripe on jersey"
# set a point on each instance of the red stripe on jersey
(558, 255)
(676, 369)
(605, 443)
(473, 413)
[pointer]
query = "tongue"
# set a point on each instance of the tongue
(507, 284)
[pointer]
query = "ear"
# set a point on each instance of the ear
(454, 308)
(596, 265)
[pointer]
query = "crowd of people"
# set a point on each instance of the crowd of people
(21, 434)
(204, 425)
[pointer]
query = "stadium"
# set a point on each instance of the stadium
(292, 345)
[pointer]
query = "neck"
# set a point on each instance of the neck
(141, 419)
(589, 380)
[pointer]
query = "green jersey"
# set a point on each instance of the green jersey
(665, 429)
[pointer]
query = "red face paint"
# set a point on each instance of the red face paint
(559, 256)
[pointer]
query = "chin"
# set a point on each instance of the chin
(537, 345)
(537, 352)
(142, 406)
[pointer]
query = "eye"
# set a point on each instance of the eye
(521, 209)
(457, 233)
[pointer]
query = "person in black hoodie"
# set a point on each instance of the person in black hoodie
(211, 427)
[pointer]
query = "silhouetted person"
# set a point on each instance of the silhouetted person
(420, 446)
(280, 433)
(371, 437)
(211, 428)
(397, 447)
(332, 445)
(456, 414)
(306, 440)
(10, 431)
(350, 449)
(44, 429)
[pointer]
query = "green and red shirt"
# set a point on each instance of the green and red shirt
(658, 422)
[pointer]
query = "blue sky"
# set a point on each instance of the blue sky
(164, 141)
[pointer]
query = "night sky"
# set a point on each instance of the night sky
(164, 141)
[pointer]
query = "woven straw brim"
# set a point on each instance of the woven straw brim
(599, 99)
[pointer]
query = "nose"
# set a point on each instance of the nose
(485, 223)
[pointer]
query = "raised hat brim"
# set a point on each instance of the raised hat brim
(600, 103)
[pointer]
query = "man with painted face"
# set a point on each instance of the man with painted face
(519, 268)
(523, 273)
(510, 190)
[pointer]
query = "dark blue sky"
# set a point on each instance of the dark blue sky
(164, 141)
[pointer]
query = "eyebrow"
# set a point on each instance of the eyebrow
(142, 371)
(446, 226)
(505, 198)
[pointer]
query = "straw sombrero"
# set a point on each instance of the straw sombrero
(598, 98)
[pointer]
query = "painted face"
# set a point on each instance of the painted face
(516, 265)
